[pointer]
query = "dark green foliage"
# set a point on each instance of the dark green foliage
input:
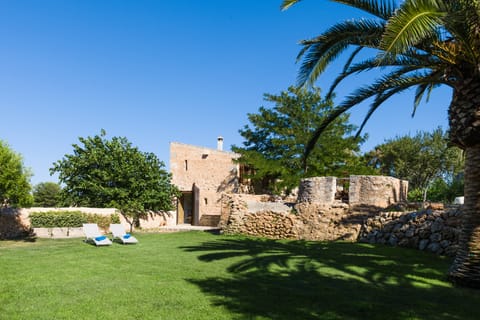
(112, 173)
(276, 139)
(423, 159)
(46, 194)
(57, 219)
(14, 179)
(71, 219)
(440, 191)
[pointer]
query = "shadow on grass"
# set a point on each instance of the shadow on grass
(310, 280)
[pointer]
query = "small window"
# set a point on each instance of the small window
(206, 201)
(186, 165)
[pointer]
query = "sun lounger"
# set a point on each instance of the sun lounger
(118, 232)
(92, 233)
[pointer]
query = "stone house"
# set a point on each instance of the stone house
(202, 175)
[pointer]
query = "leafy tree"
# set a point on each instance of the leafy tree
(418, 44)
(113, 173)
(421, 159)
(442, 190)
(276, 137)
(46, 194)
(14, 179)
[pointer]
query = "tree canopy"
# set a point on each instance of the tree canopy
(46, 194)
(276, 137)
(421, 159)
(113, 173)
(14, 179)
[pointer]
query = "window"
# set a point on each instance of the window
(205, 200)
(186, 165)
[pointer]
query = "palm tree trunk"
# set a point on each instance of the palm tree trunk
(465, 270)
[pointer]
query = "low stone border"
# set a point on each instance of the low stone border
(58, 233)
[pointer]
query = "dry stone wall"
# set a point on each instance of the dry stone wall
(436, 231)
(256, 216)
(247, 214)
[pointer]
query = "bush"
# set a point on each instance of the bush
(70, 219)
(102, 220)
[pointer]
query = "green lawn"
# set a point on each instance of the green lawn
(197, 275)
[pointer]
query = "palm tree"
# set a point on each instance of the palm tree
(421, 44)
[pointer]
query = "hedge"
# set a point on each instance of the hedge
(70, 219)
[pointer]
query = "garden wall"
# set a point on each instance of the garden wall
(436, 231)
(256, 216)
(15, 223)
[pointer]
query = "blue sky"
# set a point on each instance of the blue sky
(162, 71)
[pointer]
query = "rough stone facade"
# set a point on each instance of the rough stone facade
(256, 216)
(436, 231)
(376, 191)
(202, 174)
(318, 190)
(369, 191)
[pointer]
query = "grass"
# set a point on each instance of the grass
(197, 275)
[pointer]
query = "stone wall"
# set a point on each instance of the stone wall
(13, 225)
(370, 191)
(256, 216)
(317, 190)
(436, 231)
(431, 230)
(15, 222)
(376, 191)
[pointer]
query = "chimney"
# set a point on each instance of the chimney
(220, 143)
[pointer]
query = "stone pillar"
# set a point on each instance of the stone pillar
(320, 190)
(376, 191)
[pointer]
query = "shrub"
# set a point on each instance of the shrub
(70, 219)
(52, 219)
(103, 221)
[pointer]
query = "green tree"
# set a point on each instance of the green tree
(418, 44)
(113, 173)
(14, 179)
(46, 194)
(422, 160)
(276, 137)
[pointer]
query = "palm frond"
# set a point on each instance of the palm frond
(318, 53)
(379, 100)
(381, 8)
(414, 21)
(316, 134)
(382, 89)
(288, 3)
(406, 63)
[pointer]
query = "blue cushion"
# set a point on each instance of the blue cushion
(126, 236)
(100, 238)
